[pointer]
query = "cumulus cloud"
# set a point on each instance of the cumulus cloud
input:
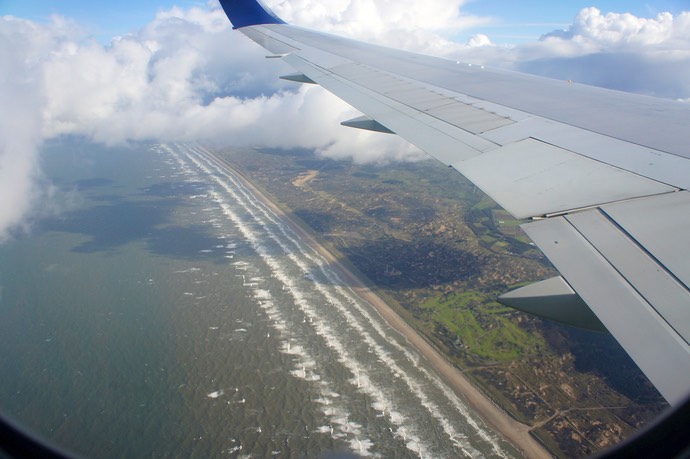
(617, 51)
(187, 76)
(594, 31)
(20, 124)
(408, 24)
(479, 40)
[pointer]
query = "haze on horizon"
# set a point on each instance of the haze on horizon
(183, 77)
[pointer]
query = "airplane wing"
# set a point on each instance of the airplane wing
(603, 175)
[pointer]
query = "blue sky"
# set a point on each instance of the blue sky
(102, 19)
(513, 22)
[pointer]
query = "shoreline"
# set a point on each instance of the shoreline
(512, 430)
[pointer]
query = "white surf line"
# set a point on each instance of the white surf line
(304, 365)
(300, 300)
(335, 280)
(318, 260)
(398, 371)
(335, 414)
(412, 383)
(277, 270)
(298, 296)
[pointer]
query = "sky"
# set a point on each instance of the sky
(176, 71)
(505, 22)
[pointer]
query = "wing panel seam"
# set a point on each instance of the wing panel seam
(623, 276)
(644, 249)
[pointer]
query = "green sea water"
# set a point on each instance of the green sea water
(159, 310)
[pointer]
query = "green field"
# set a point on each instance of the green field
(480, 326)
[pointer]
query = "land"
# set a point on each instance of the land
(432, 253)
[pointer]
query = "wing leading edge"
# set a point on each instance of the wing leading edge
(603, 174)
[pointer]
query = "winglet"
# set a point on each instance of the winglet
(243, 13)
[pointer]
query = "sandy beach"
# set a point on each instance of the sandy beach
(514, 431)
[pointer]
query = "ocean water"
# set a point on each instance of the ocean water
(165, 311)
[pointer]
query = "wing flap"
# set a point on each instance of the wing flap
(468, 117)
(662, 226)
(639, 267)
(647, 162)
(635, 297)
(552, 178)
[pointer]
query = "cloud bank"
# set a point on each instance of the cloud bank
(187, 76)
(618, 51)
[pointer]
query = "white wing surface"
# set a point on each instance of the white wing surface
(603, 174)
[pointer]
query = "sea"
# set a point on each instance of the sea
(158, 308)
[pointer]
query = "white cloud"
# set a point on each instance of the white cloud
(406, 24)
(618, 51)
(593, 30)
(188, 76)
(479, 40)
(185, 76)
(20, 122)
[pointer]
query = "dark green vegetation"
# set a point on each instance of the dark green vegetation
(440, 252)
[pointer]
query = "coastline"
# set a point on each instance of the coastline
(515, 432)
